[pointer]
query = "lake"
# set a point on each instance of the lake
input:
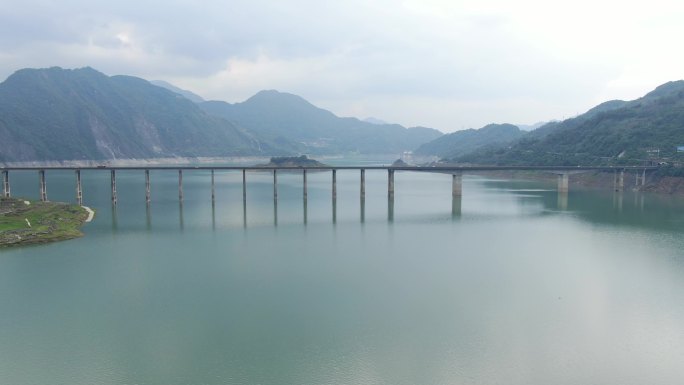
(518, 286)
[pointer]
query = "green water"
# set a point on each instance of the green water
(518, 287)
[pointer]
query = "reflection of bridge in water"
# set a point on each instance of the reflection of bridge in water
(456, 172)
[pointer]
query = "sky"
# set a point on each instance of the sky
(449, 65)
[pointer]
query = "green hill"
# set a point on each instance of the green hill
(615, 132)
(459, 143)
(299, 126)
(58, 114)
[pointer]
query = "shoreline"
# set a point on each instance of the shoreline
(665, 185)
(91, 214)
(24, 224)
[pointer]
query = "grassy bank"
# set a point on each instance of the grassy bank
(30, 222)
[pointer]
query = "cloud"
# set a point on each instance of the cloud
(449, 64)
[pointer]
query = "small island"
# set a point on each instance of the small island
(294, 161)
(24, 222)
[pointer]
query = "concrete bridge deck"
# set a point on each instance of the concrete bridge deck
(563, 173)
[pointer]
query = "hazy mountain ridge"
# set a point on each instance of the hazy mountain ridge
(58, 114)
(292, 121)
(459, 143)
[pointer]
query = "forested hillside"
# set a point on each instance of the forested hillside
(616, 132)
(58, 114)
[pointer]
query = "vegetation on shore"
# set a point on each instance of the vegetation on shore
(29, 222)
(293, 161)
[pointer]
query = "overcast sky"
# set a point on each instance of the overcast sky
(444, 64)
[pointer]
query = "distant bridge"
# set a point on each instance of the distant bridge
(563, 173)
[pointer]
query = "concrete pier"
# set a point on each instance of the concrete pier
(363, 183)
(180, 215)
(562, 202)
(362, 207)
(115, 218)
(244, 189)
(643, 178)
(43, 186)
(79, 190)
(455, 206)
(148, 217)
(618, 200)
(620, 180)
(563, 180)
(640, 178)
(180, 185)
(275, 185)
(5, 184)
(457, 184)
(390, 184)
(147, 187)
(306, 216)
(334, 185)
(275, 212)
(113, 183)
(213, 187)
(304, 192)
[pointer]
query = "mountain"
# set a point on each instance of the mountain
(459, 143)
(299, 126)
(615, 132)
(187, 94)
(58, 114)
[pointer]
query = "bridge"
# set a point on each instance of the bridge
(456, 172)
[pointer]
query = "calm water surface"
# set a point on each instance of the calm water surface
(518, 287)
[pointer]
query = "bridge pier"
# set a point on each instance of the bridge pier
(148, 217)
(643, 178)
(113, 185)
(275, 212)
(5, 184)
(244, 188)
(304, 192)
(147, 187)
(563, 180)
(334, 195)
(562, 200)
(305, 211)
(620, 180)
(79, 190)
(275, 185)
(213, 193)
(640, 180)
(362, 208)
(390, 184)
(456, 206)
(363, 183)
(180, 185)
(43, 186)
(618, 200)
(457, 184)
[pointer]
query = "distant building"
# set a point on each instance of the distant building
(653, 152)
